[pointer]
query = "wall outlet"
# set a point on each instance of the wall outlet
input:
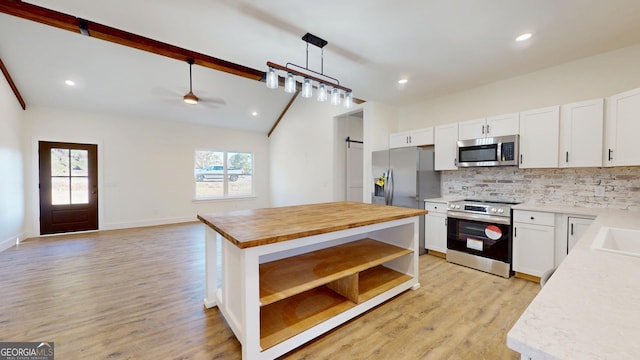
(599, 190)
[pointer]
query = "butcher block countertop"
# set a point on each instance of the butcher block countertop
(248, 228)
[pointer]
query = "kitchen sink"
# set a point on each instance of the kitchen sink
(619, 241)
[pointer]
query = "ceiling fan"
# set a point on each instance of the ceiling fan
(190, 98)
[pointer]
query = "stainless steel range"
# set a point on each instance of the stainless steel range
(479, 235)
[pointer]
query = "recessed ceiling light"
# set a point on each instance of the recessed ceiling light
(523, 37)
(255, 113)
(403, 81)
(70, 82)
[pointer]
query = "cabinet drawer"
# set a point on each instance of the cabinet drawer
(433, 207)
(534, 217)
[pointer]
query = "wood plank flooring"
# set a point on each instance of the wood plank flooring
(138, 294)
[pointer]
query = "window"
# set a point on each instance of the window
(69, 176)
(220, 174)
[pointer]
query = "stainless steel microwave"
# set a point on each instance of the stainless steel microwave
(489, 151)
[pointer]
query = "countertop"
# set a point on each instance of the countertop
(248, 228)
(590, 307)
(442, 200)
(563, 209)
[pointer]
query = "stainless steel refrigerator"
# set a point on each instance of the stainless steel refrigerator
(405, 177)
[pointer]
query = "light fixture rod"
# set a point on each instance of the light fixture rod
(335, 84)
(190, 61)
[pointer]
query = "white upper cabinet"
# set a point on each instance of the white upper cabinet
(502, 125)
(581, 126)
(492, 126)
(417, 137)
(446, 147)
(471, 129)
(539, 138)
(622, 126)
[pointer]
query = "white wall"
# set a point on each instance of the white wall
(12, 214)
(379, 121)
(145, 166)
(302, 150)
(593, 77)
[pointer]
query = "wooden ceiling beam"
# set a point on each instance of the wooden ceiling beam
(13, 86)
(74, 24)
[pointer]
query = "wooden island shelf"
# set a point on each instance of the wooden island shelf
(335, 266)
(300, 276)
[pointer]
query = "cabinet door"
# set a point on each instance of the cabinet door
(577, 227)
(401, 139)
(502, 125)
(472, 129)
(533, 248)
(446, 147)
(622, 128)
(581, 134)
(539, 132)
(422, 137)
(436, 232)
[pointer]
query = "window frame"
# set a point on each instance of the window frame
(225, 176)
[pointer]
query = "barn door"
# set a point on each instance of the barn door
(68, 187)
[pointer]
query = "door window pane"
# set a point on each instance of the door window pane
(60, 191)
(79, 190)
(79, 163)
(59, 162)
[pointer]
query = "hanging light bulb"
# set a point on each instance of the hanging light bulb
(272, 79)
(335, 96)
(348, 100)
(322, 92)
(307, 89)
(290, 84)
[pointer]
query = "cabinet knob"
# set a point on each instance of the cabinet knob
(532, 218)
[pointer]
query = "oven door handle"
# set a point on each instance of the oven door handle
(479, 217)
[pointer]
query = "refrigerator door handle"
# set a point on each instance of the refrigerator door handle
(389, 188)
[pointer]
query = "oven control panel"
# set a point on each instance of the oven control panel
(489, 208)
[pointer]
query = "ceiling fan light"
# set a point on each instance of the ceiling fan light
(290, 84)
(190, 98)
(322, 92)
(348, 100)
(307, 89)
(335, 96)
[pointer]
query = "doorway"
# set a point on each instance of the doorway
(68, 175)
(350, 157)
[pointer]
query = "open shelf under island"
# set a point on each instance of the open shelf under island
(290, 274)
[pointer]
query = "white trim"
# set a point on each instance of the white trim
(149, 222)
(10, 242)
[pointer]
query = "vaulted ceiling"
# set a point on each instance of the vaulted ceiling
(439, 46)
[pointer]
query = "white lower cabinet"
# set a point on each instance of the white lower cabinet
(569, 236)
(435, 227)
(533, 242)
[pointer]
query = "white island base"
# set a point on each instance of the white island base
(278, 296)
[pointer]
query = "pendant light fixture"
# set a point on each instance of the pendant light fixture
(324, 82)
(190, 98)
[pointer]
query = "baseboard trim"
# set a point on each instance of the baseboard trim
(438, 254)
(524, 276)
(10, 242)
(150, 222)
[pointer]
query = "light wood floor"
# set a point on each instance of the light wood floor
(137, 294)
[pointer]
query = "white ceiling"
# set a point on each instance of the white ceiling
(440, 46)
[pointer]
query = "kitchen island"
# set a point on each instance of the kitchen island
(290, 274)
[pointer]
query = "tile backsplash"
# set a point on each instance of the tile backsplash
(617, 187)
